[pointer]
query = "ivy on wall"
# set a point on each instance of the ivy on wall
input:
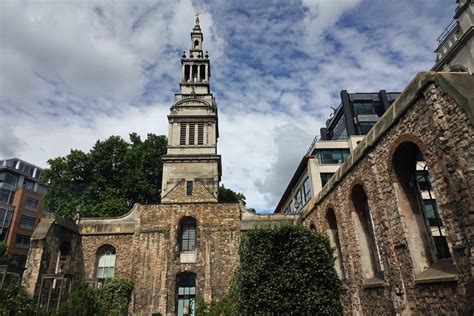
(288, 270)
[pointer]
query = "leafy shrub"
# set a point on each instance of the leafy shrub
(287, 270)
(82, 301)
(115, 295)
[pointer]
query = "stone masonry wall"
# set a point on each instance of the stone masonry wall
(157, 261)
(442, 130)
(150, 255)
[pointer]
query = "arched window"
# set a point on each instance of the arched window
(106, 261)
(364, 231)
(186, 288)
(187, 235)
(63, 258)
(196, 44)
(333, 234)
(417, 203)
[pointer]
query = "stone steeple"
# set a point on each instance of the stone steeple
(192, 167)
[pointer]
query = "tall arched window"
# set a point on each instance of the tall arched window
(187, 235)
(333, 234)
(106, 261)
(64, 256)
(364, 230)
(186, 288)
(417, 204)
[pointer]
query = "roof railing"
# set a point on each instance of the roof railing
(447, 31)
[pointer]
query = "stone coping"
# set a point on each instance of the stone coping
(48, 221)
(456, 85)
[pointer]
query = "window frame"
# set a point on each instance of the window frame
(27, 218)
(109, 253)
(187, 238)
(22, 245)
(26, 205)
(189, 293)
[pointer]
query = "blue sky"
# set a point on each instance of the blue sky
(72, 72)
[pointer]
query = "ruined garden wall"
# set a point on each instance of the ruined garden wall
(442, 130)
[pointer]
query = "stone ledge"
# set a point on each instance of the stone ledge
(373, 283)
(438, 272)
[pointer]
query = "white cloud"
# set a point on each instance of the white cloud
(74, 72)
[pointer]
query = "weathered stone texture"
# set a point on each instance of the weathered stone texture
(149, 255)
(442, 130)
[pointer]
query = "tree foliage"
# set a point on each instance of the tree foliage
(111, 299)
(107, 180)
(228, 195)
(287, 270)
(13, 298)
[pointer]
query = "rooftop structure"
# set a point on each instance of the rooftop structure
(356, 114)
(455, 51)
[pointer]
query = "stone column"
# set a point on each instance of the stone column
(206, 75)
(199, 73)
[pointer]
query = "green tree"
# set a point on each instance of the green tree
(228, 195)
(107, 180)
(287, 270)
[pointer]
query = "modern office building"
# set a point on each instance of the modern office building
(351, 120)
(21, 206)
(356, 114)
(455, 51)
(321, 161)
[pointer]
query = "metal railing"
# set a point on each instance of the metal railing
(447, 31)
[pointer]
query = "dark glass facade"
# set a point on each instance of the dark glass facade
(356, 114)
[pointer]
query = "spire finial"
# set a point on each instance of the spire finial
(197, 17)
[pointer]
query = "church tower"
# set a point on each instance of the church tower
(192, 167)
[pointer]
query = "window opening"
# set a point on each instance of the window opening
(106, 257)
(22, 242)
(186, 72)
(325, 176)
(5, 220)
(188, 234)
(186, 295)
(200, 133)
(365, 232)
(202, 71)
(182, 134)
(307, 189)
(431, 211)
(333, 233)
(194, 74)
(189, 188)
(30, 204)
(191, 134)
(27, 222)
